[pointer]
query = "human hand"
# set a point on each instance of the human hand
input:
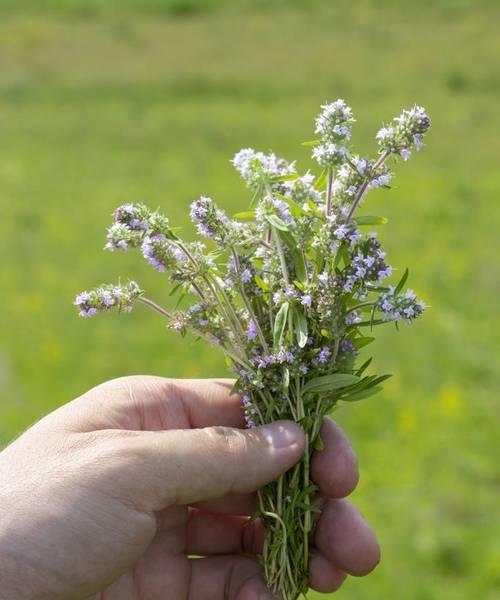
(108, 496)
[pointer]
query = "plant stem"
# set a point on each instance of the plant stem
(328, 205)
(363, 188)
(247, 304)
(281, 254)
(155, 307)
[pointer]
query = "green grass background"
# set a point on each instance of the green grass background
(104, 102)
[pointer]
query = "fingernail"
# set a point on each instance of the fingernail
(281, 434)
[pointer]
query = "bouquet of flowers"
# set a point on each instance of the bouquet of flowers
(287, 291)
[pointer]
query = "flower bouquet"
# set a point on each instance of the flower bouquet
(287, 291)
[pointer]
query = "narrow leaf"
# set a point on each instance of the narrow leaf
(287, 177)
(362, 395)
(326, 383)
(279, 325)
(261, 283)
(363, 367)
(320, 182)
(361, 342)
(300, 325)
(370, 220)
(275, 221)
(401, 283)
(247, 214)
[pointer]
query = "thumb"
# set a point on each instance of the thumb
(184, 466)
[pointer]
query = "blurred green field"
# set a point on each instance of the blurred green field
(107, 102)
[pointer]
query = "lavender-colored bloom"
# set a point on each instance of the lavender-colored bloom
(333, 124)
(257, 168)
(106, 297)
(406, 132)
(87, 312)
(323, 355)
(348, 347)
(329, 154)
(323, 277)
(246, 276)
(400, 307)
(251, 330)
(341, 232)
(306, 300)
(352, 318)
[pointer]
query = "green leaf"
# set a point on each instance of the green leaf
(361, 342)
(325, 333)
(326, 383)
(370, 220)
(275, 221)
(300, 266)
(300, 326)
(320, 182)
(363, 367)
(279, 325)
(247, 214)
(236, 387)
(286, 378)
(311, 143)
(362, 394)
(314, 208)
(287, 177)
(381, 378)
(297, 255)
(401, 283)
(318, 444)
(261, 283)
(175, 288)
(370, 323)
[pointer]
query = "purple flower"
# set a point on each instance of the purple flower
(251, 330)
(323, 355)
(246, 276)
(306, 300)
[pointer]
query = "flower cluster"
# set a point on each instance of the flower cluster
(211, 221)
(407, 131)
(258, 169)
(353, 174)
(400, 307)
(132, 222)
(285, 291)
(107, 297)
(333, 125)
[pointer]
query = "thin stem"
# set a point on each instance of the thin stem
(363, 188)
(328, 205)
(247, 304)
(170, 316)
(357, 307)
(335, 351)
(281, 254)
(155, 307)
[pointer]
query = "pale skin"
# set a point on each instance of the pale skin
(108, 497)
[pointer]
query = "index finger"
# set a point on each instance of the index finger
(149, 403)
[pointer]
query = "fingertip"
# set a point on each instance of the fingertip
(325, 577)
(283, 434)
(346, 539)
(335, 468)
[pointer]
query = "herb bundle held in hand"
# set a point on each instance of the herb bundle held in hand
(286, 292)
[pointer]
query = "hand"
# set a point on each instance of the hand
(107, 497)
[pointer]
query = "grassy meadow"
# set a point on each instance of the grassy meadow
(109, 102)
